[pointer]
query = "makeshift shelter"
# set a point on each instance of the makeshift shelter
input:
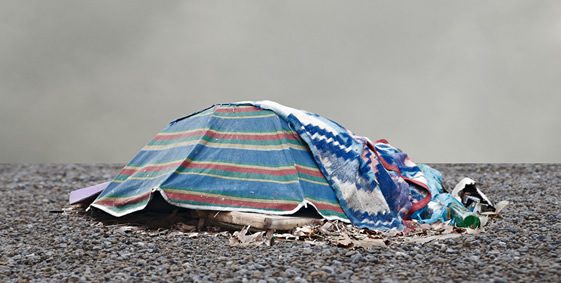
(267, 158)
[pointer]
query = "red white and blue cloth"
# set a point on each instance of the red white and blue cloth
(377, 185)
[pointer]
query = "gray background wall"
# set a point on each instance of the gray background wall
(447, 81)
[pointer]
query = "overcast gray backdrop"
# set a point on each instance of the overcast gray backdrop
(447, 81)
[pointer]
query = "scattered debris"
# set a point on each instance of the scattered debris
(471, 197)
(242, 239)
(256, 229)
(347, 236)
(76, 208)
(466, 206)
(334, 233)
(498, 208)
(126, 229)
(316, 232)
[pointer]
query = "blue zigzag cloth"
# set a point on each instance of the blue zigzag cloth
(377, 185)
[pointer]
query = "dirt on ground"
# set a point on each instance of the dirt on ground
(38, 243)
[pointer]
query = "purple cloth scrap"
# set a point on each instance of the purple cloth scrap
(83, 194)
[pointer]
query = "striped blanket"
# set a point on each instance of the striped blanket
(228, 157)
(267, 158)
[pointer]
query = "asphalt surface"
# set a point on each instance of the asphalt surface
(40, 244)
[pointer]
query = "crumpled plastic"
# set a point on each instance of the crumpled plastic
(473, 198)
(465, 195)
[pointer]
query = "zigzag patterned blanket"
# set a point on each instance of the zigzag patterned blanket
(370, 179)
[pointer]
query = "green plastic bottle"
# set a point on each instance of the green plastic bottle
(462, 217)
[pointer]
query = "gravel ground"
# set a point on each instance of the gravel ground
(38, 245)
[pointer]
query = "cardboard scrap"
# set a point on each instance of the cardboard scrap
(498, 208)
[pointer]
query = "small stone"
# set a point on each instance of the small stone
(336, 263)
(291, 272)
(356, 257)
(347, 274)
(328, 269)
(402, 254)
(257, 274)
